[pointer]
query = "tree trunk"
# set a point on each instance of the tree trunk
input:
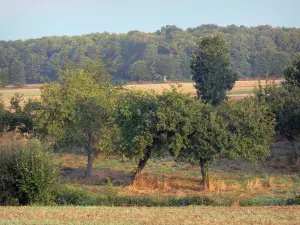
(89, 170)
(171, 152)
(142, 163)
(203, 166)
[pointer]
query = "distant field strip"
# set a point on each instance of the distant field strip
(240, 87)
(150, 215)
(240, 90)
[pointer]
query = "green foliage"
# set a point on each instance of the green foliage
(31, 107)
(27, 173)
(3, 78)
(232, 130)
(135, 117)
(264, 201)
(250, 125)
(70, 195)
(164, 66)
(152, 124)
(139, 71)
(292, 73)
(15, 103)
(269, 62)
(284, 103)
(16, 117)
(76, 110)
(294, 200)
(175, 114)
(77, 196)
(212, 70)
(1, 104)
(253, 50)
(16, 73)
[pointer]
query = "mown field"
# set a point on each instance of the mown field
(240, 90)
(155, 215)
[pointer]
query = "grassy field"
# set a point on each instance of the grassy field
(142, 215)
(230, 182)
(240, 90)
(27, 92)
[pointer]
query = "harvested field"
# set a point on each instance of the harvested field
(153, 215)
(240, 90)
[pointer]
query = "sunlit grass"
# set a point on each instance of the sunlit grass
(153, 215)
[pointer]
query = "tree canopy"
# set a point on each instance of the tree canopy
(231, 130)
(254, 51)
(211, 69)
(292, 73)
(76, 110)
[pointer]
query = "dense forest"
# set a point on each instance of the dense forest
(139, 56)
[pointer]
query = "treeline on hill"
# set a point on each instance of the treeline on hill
(139, 56)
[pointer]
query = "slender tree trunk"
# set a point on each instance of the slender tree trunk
(172, 153)
(142, 163)
(203, 166)
(89, 170)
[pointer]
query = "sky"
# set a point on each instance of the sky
(24, 19)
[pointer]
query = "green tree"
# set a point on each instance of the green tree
(76, 112)
(164, 66)
(16, 73)
(33, 64)
(139, 71)
(231, 130)
(284, 103)
(135, 117)
(292, 73)
(211, 69)
(15, 102)
(151, 125)
(3, 58)
(3, 77)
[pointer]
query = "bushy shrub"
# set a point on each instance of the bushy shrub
(27, 173)
(294, 200)
(263, 201)
(70, 195)
(151, 201)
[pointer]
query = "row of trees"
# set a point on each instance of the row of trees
(83, 110)
(143, 56)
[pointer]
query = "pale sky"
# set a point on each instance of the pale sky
(23, 19)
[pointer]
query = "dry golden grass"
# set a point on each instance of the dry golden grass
(241, 89)
(149, 183)
(240, 86)
(167, 178)
(152, 215)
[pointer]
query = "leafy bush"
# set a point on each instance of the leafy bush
(27, 173)
(294, 200)
(149, 201)
(70, 195)
(263, 201)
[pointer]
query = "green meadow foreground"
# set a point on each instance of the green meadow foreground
(155, 215)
